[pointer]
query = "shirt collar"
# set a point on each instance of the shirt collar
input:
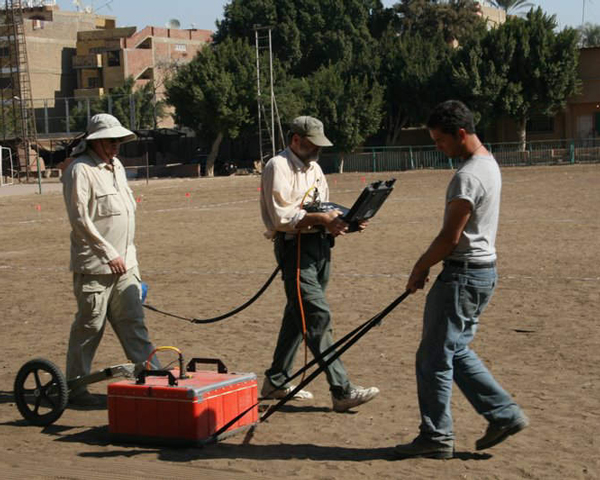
(98, 161)
(297, 163)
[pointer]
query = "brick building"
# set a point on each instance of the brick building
(106, 58)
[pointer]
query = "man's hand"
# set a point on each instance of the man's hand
(117, 266)
(362, 225)
(334, 225)
(417, 279)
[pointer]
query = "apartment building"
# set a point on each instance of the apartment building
(106, 58)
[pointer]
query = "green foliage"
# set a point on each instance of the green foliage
(215, 92)
(454, 20)
(589, 35)
(412, 73)
(120, 102)
(521, 68)
(307, 34)
(513, 6)
(318, 41)
(348, 105)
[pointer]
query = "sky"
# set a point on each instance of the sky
(203, 14)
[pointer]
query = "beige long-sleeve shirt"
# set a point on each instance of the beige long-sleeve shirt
(286, 185)
(101, 209)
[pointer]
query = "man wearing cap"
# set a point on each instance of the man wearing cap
(290, 181)
(106, 278)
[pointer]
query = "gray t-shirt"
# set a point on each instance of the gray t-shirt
(478, 181)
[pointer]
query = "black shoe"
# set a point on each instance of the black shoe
(423, 448)
(498, 433)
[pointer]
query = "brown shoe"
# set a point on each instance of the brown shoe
(498, 433)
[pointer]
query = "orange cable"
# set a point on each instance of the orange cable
(300, 303)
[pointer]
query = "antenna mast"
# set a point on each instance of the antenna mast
(266, 135)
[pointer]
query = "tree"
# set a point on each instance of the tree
(349, 106)
(214, 94)
(524, 67)
(455, 20)
(513, 6)
(416, 50)
(318, 41)
(410, 71)
(121, 101)
(307, 34)
(589, 35)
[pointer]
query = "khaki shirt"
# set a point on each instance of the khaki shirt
(101, 210)
(288, 184)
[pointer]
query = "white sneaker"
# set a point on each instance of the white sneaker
(268, 391)
(355, 397)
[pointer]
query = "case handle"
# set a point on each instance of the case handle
(221, 368)
(141, 379)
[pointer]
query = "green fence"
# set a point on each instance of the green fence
(384, 159)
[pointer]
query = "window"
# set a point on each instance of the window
(540, 124)
(4, 52)
(93, 82)
(180, 47)
(114, 58)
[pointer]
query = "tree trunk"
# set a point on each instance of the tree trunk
(395, 125)
(522, 133)
(212, 156)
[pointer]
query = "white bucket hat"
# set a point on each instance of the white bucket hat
(103, 125)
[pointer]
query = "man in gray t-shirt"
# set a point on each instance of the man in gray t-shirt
(466, 245)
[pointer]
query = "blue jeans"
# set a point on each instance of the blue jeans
(454, 304)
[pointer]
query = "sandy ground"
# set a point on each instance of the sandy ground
(203, 254)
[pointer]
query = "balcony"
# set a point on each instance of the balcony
(93, 60)
(89, 92)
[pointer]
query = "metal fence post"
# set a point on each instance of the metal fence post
(68, 121)
(110, 105)
(46, 124)
(412, 160)
(374, 158)
(572, 151)
(87, 105)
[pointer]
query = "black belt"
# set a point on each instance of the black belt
(468, 265)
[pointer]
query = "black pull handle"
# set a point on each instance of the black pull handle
(141, 378)
(221, 368)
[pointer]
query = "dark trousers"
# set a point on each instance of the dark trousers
(315, 259)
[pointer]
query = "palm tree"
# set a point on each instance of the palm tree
(513, 6)
(589, 35)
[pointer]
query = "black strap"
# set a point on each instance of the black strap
(225, 315)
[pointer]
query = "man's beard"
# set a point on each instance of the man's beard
(309, 155)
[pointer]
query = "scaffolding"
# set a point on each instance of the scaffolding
(269, 143)
(17, 115)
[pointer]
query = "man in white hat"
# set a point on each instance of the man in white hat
(106, 278)
(303, 241)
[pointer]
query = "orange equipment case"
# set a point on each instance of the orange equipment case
(161, 408)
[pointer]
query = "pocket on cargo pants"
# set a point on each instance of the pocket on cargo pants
(91, 293)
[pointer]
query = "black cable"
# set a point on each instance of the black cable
(225, 315)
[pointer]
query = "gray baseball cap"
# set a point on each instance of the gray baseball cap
(311, 128)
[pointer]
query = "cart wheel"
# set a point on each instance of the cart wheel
(41, 392)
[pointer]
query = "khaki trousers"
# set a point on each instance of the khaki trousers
(116, 298)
